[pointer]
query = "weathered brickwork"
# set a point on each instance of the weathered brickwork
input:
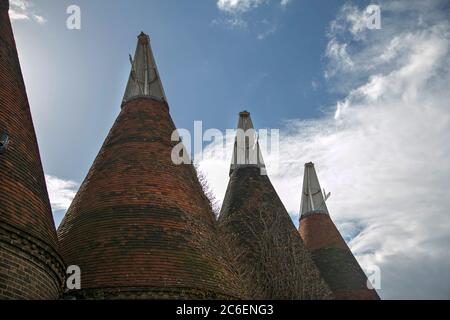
(141, 227)
(268, 251)
(27, 232)
(142, 223)
(334, 259)
(136, 293)
(29, 268)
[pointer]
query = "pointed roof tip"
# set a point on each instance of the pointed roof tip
(313, 199)
(246, 151)
(144, 80)
(245, 121)
(143, 37)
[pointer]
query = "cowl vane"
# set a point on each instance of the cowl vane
(246, 151)
(144, 78)
(313, 199)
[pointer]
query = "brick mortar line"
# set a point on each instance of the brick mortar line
(108, 292)
(50, 253)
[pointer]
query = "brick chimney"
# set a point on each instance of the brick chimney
(329, 251)
(141, 226)
(266, 247)
(30, 265)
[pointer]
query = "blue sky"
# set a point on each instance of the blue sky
(369, 107)
(210, 70)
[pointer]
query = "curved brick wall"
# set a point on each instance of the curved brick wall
(140, 226)
(336, 263)
(28, 239)
(29, 268)
(269, 252)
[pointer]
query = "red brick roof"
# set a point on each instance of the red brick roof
(266, 247)
(27, 230)
(334, 259)
(329, 251)
(141, 226)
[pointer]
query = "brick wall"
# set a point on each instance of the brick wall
(29, 269)
(139, 221)
(334, 259)
(26, 223)
(265, 246)
(4, 4)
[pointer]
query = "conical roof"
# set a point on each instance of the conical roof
(28, 241)
(329, 250)
(141, 226)
(265, 245)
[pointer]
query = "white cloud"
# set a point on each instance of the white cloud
(238, 5)
(236, 16)
(61, 192)
(337, 53)
(284, 3)
(315, 85)
(384, 151)
(234, 6)
(39, 19)
(24, 10)
(14, 15)
(270, 31)
(233, 22)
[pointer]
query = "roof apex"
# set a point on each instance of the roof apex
(244, 114)
(144, 80)
(313, 199)
(246, 151)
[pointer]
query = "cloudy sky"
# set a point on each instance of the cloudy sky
(369, 107)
